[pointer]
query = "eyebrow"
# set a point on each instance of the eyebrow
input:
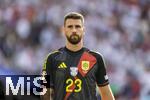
(70, 26)
(77, 26)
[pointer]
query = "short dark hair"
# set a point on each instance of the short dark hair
(73, 15)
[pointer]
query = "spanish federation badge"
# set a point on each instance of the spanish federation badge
(73, 71)
(85, 66)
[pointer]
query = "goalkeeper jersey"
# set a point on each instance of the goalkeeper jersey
(74, 75)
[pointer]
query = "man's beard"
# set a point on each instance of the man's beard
(74, 38)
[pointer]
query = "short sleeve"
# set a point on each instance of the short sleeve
(101, 76)
(48, 71)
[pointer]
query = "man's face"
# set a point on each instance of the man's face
(74, 30)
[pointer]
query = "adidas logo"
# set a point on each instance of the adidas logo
(62, 65)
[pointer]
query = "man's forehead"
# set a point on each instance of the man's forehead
(73, 21)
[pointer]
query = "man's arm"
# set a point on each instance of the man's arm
(48, 95)
(46, 75)
(106, 93)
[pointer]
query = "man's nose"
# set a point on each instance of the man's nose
(74, 29)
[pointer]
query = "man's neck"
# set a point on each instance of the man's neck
(74, 48)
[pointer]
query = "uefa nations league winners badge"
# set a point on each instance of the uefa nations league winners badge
(73, 71)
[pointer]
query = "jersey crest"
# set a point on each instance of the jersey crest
(85, 66)
(73, 71)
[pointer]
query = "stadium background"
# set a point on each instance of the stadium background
(118, 29)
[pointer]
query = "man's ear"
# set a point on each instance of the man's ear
(63, 30)
(83, 30)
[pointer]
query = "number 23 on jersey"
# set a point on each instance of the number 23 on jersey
(70, 82)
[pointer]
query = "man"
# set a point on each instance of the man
(75, 70)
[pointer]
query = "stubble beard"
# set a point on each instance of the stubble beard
(74, 39)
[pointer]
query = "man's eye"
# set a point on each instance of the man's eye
(70, 26)
(78, 26)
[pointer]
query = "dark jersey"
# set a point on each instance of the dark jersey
(74, 75)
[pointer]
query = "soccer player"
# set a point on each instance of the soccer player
(74, 70)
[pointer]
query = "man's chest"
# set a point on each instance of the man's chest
(78, 65)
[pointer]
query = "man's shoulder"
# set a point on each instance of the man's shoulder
(54, 53)
(96, 54)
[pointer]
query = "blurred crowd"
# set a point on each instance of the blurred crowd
(118, 29)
